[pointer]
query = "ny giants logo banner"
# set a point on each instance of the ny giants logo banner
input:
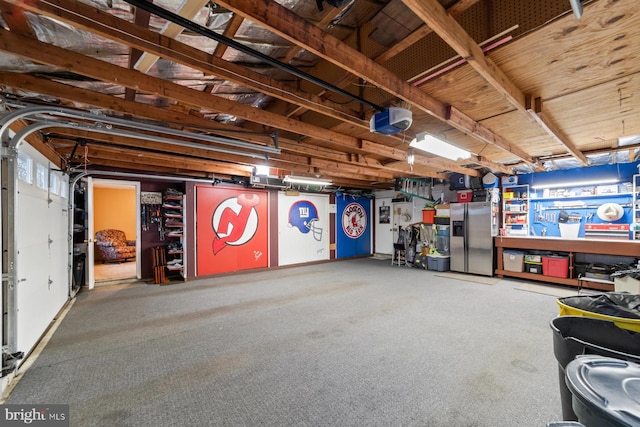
(231, 229)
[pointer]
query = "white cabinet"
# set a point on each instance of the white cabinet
(515, 210)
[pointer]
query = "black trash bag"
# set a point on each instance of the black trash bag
(616, 304)
(631, 272)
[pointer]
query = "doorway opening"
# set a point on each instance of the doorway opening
(115, 228)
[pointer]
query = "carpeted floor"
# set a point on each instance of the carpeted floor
(350, 343)
(485, 280)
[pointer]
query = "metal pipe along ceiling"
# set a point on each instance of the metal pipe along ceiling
(204, 31)
(99, 126)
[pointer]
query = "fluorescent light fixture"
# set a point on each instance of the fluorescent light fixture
(575, 183)
(305, 180)
(429, 143)
(628, 140)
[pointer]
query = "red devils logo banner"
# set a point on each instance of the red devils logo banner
(231, 229)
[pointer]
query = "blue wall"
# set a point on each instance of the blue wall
(353, 226)
(544, 211)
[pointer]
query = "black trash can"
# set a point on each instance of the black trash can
(78, 270)
(605, 391)
(575, 335)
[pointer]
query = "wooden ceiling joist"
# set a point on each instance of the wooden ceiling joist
(287, 24)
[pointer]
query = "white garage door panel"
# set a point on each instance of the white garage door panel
(31, 221)
(37, 300)
(42, 266)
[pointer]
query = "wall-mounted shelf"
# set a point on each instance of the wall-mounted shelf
(174, 226)
(515, 210)
(581, 197)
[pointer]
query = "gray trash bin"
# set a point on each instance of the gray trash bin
(576, 335)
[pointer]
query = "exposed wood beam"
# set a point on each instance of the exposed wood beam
(90, 67)
(84, 65)
(99, 100)
(535, 110)
(229, 31)
(141, 19)
(16, 20)
(99, 22)
(436, 17)
(216, 162)
(287, 24)
(423, 31)
(326, 19)
(482, 161)
(188, 10)
(133, 155)
(199, 153)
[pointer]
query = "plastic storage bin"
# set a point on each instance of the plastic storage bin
(575, 335)
(605, 392)
(619, 307)
(555, 266)
(438, 263)
(465, 196)
(513, 261)
(533, 267)
(428, 216)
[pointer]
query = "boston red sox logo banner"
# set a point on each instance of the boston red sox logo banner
(231, 229)
(353, 234)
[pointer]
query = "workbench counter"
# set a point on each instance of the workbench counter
(628, 248)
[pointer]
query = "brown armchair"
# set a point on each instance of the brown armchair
(114, 246)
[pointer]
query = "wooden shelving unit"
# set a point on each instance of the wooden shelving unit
(173, 217)
(570, 246)
(515, 210)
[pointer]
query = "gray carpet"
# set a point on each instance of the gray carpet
(351, 343)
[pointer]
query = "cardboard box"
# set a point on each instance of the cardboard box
(626, 284)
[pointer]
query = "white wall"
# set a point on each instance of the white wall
(294, 245)
(42, 242)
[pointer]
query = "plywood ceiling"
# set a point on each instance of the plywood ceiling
(514, 82)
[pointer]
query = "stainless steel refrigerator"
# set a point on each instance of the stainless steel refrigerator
(473, 226)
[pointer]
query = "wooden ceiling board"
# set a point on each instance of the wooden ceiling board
(464, 89)
(600, 113)
(570, 55)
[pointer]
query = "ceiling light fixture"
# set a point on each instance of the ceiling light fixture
(429, 143)
(623, 141)
(305, 180)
